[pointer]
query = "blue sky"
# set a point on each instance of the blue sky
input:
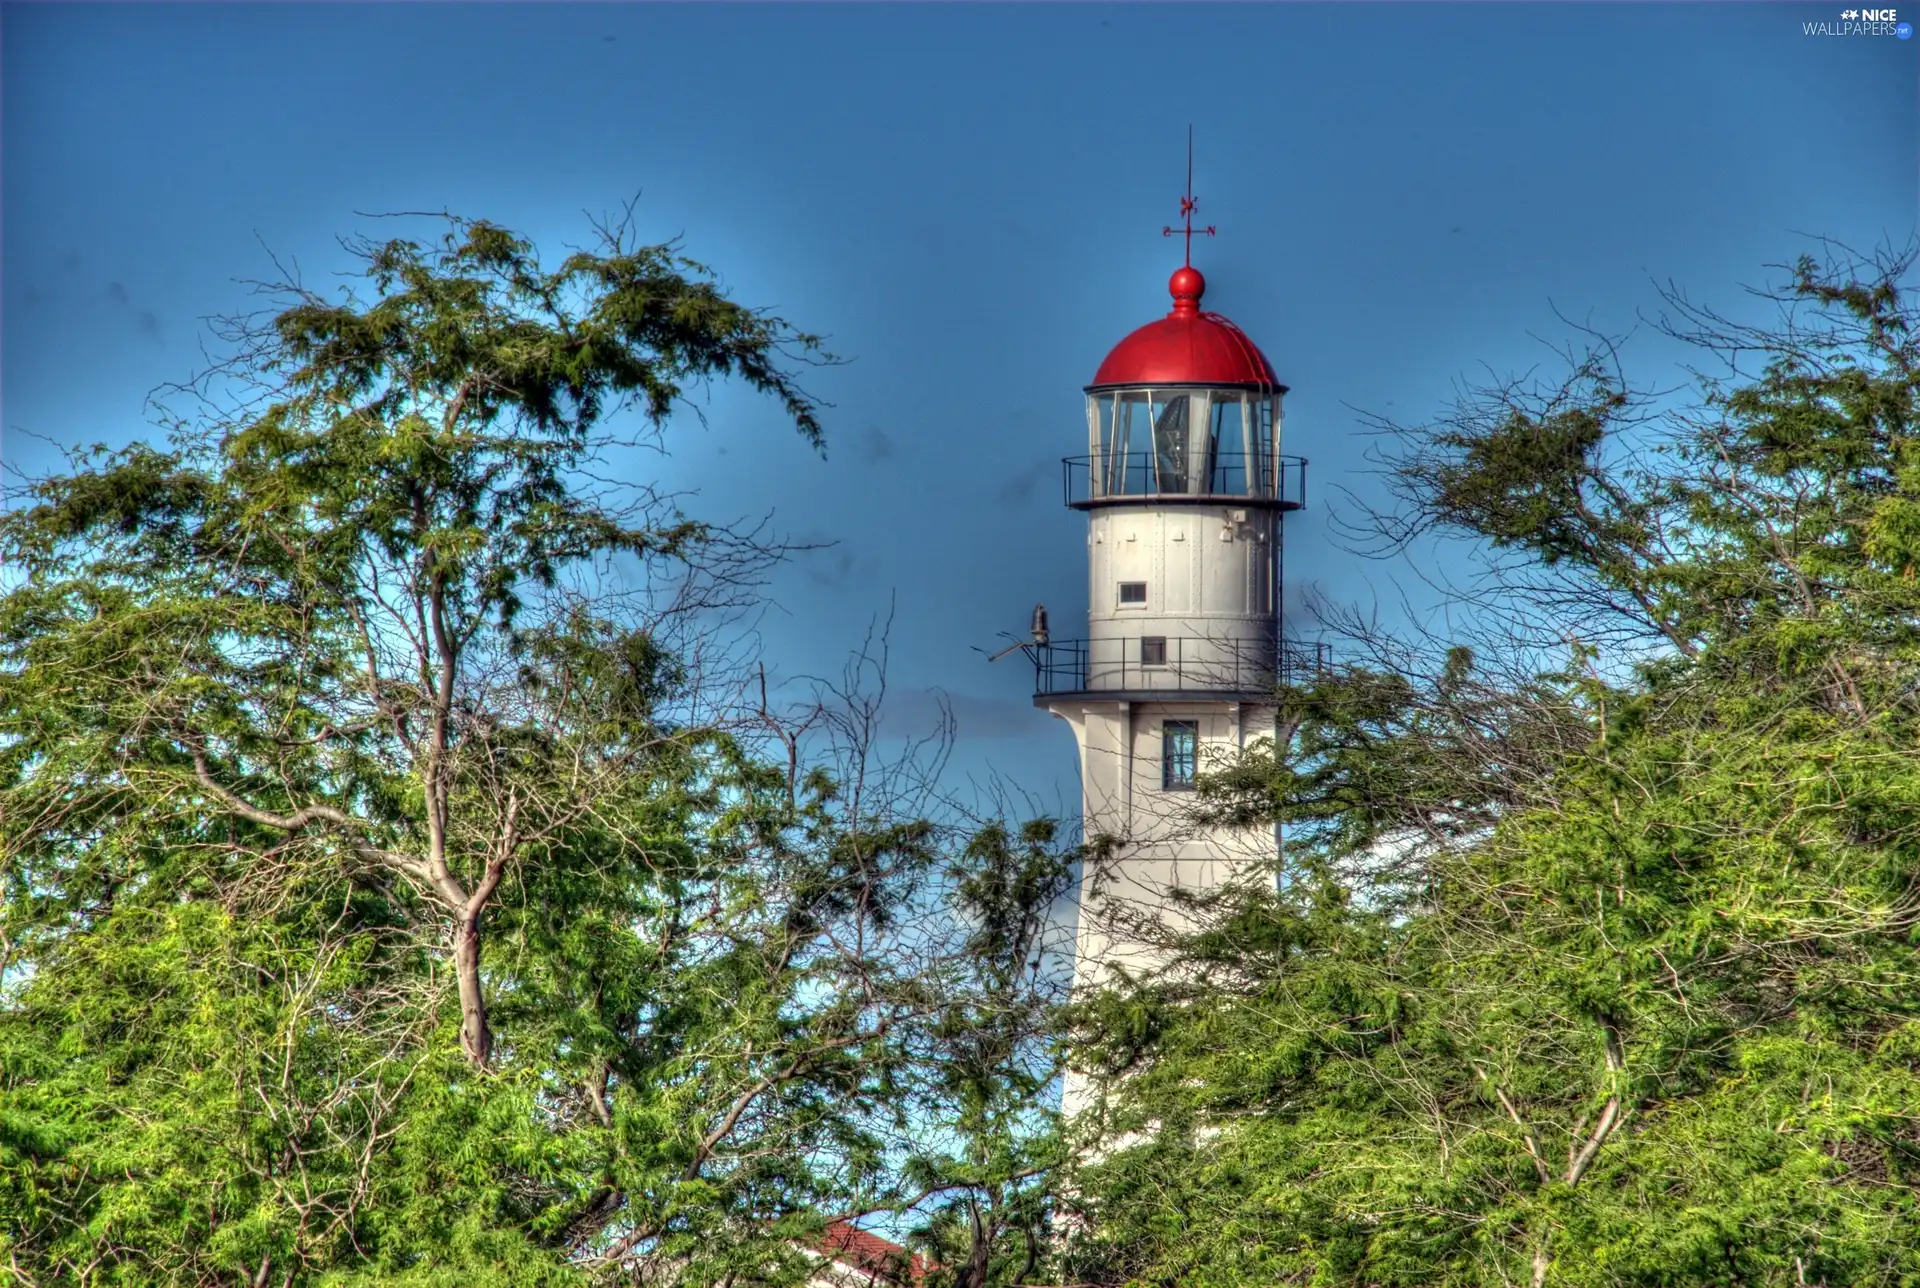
(968, 201)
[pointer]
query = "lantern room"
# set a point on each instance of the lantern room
(1186, 408)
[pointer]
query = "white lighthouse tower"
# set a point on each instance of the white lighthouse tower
(1184, 488)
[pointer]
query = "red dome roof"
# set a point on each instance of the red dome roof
(1186, 347)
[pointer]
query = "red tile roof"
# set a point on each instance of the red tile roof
(885, 1261)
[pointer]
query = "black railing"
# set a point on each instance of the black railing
(1261, 478)
(1176, 664)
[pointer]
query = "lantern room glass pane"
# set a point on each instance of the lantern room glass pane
(1227, 447)
(1100, 415)
(1170, 443)
(1130, 464)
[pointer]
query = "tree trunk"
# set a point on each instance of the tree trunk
(476, 1039)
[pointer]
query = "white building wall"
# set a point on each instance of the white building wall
(1157, 847)
(1208, 569)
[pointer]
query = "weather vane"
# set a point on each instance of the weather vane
(1187, 203)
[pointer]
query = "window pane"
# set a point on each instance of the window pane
(1102, 429)
(1180, 746)
(1227, 447)
(1133, 592)
(1129, 471)
(1170, 443)
(1153, 650)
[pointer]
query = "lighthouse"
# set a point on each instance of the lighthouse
(1184, 489)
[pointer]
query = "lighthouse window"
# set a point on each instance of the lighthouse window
(1133, 592)
(1227, 447)
(1180, 754)
(1153, 650)
(1170, 445)
(1104, 446)
(1130, 463)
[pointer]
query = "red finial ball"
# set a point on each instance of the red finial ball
(1187, 286)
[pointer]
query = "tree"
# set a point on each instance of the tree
(395, 888)
(994, 1058)
(1598, 973)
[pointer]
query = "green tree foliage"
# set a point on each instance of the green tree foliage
(387, 900)
(993, 1056)
(1599, 974)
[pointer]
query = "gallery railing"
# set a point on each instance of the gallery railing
(1225, 477)
(1176, 664)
